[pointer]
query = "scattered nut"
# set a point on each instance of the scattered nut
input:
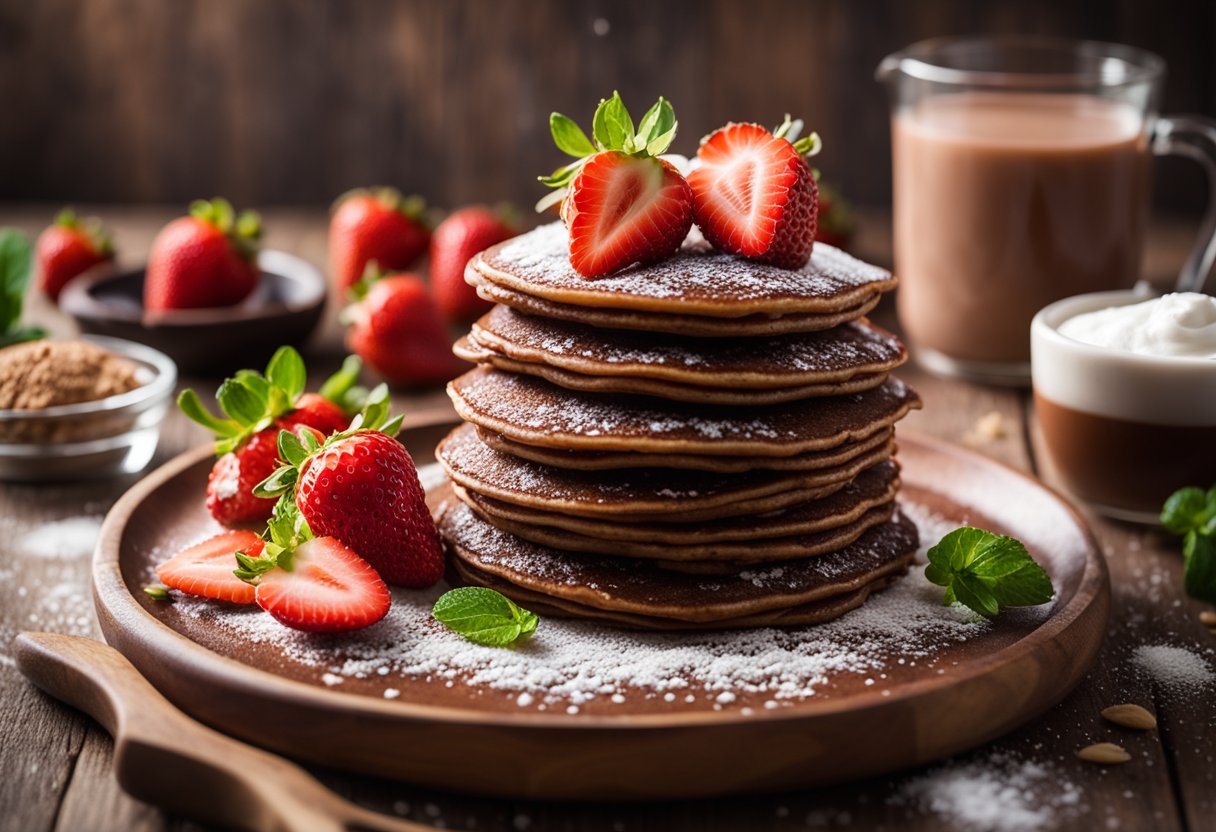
(1106, 753)
(987, 428)
(1208, 618)
(1130, 716)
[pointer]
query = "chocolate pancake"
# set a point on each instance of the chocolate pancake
(700, 326)
(632, 494)
(696, 281)
(880, 441)
(534, 412)
(813, 612)
(471, 351)
(870, 489)
(836, 355)
(621, 585)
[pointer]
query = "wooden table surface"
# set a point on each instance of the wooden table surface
(55, 764)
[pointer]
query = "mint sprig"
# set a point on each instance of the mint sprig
(16, 269)
(1191, 512)
(484, 616)
(612, 128)
(987, 572)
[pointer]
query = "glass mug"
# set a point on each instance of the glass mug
(1021, 176)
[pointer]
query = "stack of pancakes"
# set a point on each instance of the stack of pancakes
(699, 443)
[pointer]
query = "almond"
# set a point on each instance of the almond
(1106, 753)
(1130, 716)
(1208, 618)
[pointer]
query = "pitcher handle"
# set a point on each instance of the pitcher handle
(1195, 138)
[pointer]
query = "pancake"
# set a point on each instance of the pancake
(678, 324)
(836, 355)
(469, 350)
(601, 461)
(814, 612)
(737, 553)
(633, 494)
(534, 412)
(872, 488)
(622, 585)
(696, 281)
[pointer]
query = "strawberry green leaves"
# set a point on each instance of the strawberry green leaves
(484, 616)
(612, 129)
(790, 130)
(242, 230)
(1191, 512)
(16, 261)
(987, 572)
(285, 531)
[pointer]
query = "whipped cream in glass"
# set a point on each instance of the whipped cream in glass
(1180, 325)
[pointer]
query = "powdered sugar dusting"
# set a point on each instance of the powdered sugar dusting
(63, 539)
(1174, 667)
(539, 263)
(569, 663)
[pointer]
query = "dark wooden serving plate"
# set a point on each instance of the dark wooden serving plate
(284, 309)
(647, 748)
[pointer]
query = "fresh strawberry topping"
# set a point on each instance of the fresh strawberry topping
(323, 587)
(754, 194)
(69, 247)
(206, 569)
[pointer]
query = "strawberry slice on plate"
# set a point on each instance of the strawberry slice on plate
(754, 194)
(324, 587)
(206, 569)
(622, 204)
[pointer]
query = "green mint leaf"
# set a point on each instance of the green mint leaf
(1199, 566)
(286, 371)
(190, 404)
(241, 402)
(484, 616)
(1189, 509)
(569, 137)
(16, 261)
(987, 571)
(21, 335)
(338, 387)
(612, 126)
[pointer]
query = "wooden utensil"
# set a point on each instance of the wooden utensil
(164, 757)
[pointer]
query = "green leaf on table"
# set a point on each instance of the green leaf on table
(1199, 566)
(987, 572)
(1190, 509)
(484, 616)
(1191, 512)
(16, 269)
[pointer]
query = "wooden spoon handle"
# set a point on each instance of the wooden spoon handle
(164, 757)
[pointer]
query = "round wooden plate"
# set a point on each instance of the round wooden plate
(458, 737)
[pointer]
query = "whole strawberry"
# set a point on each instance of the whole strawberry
(361, 488)
(623, 206)
(257, 407)
(375, 224)
(755, 195)
(206, 259)
(456, 240)
(397, 329)
(69, 247)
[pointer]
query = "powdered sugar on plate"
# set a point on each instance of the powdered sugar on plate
(568, 663)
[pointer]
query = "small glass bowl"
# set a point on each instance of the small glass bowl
(102, 438)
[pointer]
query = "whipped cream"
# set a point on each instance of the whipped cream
(1180, 325)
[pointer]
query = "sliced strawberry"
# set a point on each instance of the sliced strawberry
(326, 588)
(623, 210)
(206, 569)
(754, 194)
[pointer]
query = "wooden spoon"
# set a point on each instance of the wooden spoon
(166, 758)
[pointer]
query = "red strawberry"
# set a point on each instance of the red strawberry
(68, 248)
(754, 194)
(206, 569)
(258, 407)
(361, 487)
(379, 225)
(396, 328)
(207, 259)
(623, 205)
(458, 238)
(326, 589)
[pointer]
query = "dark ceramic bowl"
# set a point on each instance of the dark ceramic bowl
(284, 309)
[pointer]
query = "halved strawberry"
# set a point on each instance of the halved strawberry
(623, 205)
(754, 194)
(206, 569)
(324, 587)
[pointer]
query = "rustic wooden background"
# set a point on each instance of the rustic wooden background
(294, 101)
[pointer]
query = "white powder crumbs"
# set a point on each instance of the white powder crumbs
(63, 539)
(391, 693)
(997, 794)
(569, 663)
(1173, 667)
